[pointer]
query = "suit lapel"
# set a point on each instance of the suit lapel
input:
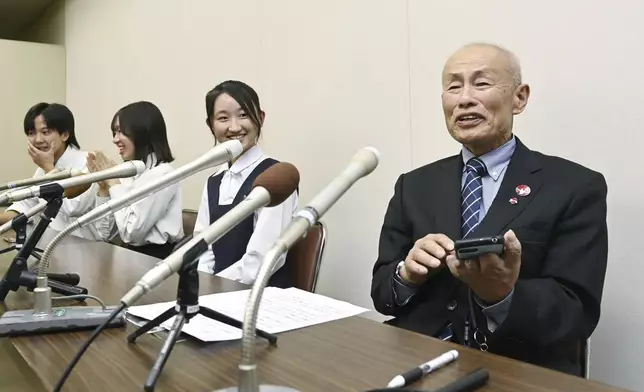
(447, 197)
(523, 169)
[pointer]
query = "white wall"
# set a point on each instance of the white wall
(319, 94)
(327, 99)
(29, 73)
(337, 75)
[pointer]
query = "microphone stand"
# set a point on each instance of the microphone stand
(18, 273)
(19, 225)
(187, 306)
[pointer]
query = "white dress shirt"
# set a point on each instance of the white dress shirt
(71, 209)
(268, 222)
(156, 219)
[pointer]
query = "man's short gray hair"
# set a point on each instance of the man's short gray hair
(514, 66)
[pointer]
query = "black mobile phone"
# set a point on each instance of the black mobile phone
(475, 247)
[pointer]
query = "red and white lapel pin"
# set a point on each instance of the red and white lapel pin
(523, 190)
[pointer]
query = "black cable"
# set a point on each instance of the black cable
(85, 346)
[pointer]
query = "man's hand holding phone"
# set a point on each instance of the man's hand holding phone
(426, 258)
(491, 276)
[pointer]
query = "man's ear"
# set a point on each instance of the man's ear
(521, 95)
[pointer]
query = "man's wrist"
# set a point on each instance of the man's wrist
(492, 299)
(401, 274)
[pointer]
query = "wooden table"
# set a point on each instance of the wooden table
(354, 354)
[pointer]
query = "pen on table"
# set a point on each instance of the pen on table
(426, 368)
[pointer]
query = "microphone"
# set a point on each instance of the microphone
(270, 188)
(219, 154)
(57, 188)
(58, 175)
(24, 216)
(362, 164)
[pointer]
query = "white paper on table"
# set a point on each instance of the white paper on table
(280, 310)
(200, 327)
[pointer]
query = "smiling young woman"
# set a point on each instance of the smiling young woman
(152, 225)
(233, 112)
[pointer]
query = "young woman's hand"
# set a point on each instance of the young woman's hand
(97, 161)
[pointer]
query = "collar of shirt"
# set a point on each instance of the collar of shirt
(234, 177)
(248, 159)
(150, 163)
(66, 160)
(495, 160)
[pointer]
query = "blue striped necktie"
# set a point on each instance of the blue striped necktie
(472, 196)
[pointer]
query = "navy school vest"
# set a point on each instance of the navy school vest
(230, 248)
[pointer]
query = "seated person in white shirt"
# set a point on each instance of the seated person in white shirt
(233, 112)
(154, 224)
(52, 144)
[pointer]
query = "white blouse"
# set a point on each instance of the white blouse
(268, 221)
(156, 219)
(71, 209)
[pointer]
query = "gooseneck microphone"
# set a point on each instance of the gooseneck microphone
(221, 153)
(24, 216)
(58, 175)
(362, 164)
(57, 188)
(17, 275)
(270, 188)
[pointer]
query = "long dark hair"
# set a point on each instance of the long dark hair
(245, 96)
(143, 123)
(57, 117)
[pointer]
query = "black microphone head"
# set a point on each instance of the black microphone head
(280, 180)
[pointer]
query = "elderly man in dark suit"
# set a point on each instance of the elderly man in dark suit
(540, 299)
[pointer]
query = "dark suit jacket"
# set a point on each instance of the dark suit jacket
(562, 228)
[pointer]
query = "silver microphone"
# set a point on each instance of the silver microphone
(126, 169)
(270, 188)
(28, 214)
(221, 153)
(362, 164)
(59, 175)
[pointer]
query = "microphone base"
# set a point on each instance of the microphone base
(262, 388)
(36, 253)
(63, 319)
(186, 307)
(18, 275)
